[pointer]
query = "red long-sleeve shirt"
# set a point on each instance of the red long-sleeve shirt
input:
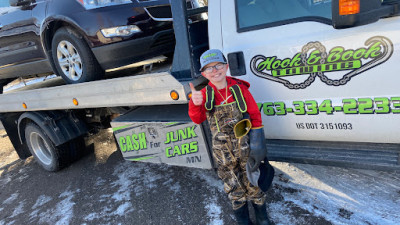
(198, 113)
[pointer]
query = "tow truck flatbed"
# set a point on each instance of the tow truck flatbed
(148, 89)
(150, 86)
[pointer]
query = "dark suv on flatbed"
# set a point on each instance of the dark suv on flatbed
(80, 39)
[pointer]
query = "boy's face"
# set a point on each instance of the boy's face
(213, 74)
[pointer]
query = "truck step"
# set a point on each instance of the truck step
(343, 154)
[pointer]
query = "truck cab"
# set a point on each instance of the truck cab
(324, 73)
(313, 76)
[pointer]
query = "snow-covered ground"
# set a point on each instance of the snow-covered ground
(105, 189)
(340, 195)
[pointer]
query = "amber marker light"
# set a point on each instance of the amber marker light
(348, 7)
(190, 95)
(24, 105)
(174, 95)
(75, 101)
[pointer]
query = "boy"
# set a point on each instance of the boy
(223, 103)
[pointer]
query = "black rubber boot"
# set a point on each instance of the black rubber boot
(261, 214)
(242, 215)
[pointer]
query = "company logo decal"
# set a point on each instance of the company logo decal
(315, 61)
(209, 55)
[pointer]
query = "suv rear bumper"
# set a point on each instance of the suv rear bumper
(131, 51)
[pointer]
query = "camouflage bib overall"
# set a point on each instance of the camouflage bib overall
(231, 154)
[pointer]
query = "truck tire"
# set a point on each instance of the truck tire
(73, 59)
(50, 157)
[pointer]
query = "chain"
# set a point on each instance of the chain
(323, 77)
(311, 78)
(318, 46)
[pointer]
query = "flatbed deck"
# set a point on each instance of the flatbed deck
(149, 84)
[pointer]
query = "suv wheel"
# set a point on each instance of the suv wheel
(73, 59)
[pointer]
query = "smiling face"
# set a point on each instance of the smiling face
(217, 77)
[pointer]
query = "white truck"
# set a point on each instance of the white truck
(323, 73)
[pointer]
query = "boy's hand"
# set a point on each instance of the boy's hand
(197, 96)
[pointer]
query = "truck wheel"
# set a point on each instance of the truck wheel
(49, 156)
(73, 59)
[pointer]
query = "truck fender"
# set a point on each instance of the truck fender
(60, 127)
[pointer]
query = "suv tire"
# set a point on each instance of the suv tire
(73, 59)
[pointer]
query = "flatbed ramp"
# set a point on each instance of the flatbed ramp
(139, 90)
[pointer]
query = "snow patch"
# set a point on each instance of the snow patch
(43, 199)
(122, 209)
(214, 211)
(5, 180)
(91, 217)
(18, 210)
(340, 195)
(62, 213)
(127, 179)
(173, 186)
(125, 185)
(22, 177)
(100, 181)
(109, 212)
(11, 223)
(10, 199)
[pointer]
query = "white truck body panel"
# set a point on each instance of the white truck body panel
(375, 82)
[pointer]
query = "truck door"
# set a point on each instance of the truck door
(20, 43)
(312, 81)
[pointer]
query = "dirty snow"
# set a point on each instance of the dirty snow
(43, 199)
(11, 199)
(19, 209)
(126, 186)
(213, 211)
(335, 195)
(61, 214)
(342, 196)
(211, 203)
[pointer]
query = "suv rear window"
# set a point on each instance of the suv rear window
(256, 14)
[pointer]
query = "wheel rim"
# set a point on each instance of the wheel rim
(69, 60)
(41, 148)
